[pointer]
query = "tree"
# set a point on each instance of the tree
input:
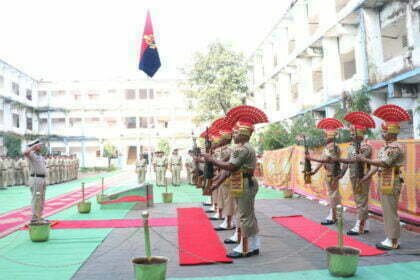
(216, 81)
(306, 125)
(274, 136)
(110, 152)
(13, 144)
(163, 145)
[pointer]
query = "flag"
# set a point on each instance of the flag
(149, 56)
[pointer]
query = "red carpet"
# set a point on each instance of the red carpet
(14, 220)
(197, 240)
(115, 223)
(322, 236)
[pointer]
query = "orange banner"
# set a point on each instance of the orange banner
(283, 169)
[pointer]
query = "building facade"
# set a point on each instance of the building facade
(320, 49)
(81, 117)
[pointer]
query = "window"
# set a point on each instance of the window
(29, 94)
(15, 119)
(110, 121)
(28, 123)
(1, 81)
(93, 96)
(15, 88)
(142, 122)
(75, 122)
(42, 94)
(130, 122)
(1, 117)
(143, 93)
(112, 91)
(151, 94)
(130, 94)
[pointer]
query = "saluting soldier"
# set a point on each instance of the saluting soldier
(141, 169)
(37, 179)
(332, 167)
(390, 160)
(244, 185)
(360, 122)
(175, 163)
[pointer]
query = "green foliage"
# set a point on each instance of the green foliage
(216, 81)
(275, 136)
(355, 101)
(110, 152)
(306, 125)
(163, 145)
(13, 145)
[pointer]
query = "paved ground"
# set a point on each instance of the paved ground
(282, 251)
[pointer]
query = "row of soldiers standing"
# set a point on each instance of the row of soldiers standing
(13, 172)
(160, 166)
(363, 166)
(61, 169)
(225, 171)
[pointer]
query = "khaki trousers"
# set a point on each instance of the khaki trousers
(390, 213)
(176, 175)
(37, 185)
(160, 176)
(361, 198)
(333, 192)
(246, 208)
(141, 175)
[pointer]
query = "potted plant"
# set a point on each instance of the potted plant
(167, 196)
(84, 206)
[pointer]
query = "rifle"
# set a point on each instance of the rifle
(307, 170)
(359, 166)
(337, 167)
(208, 167)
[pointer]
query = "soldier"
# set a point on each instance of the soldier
(61, 169)
(56, 171)
(10, 171)
(244, 186)
(141, 169)
(331, 152)
(390, 159)
(175, 163)
(25, 167)
(160, 168)
(360, 122)
(225, 202)
(189, 166)
(3, 174)
(37, 179)
(216, 193)
(18, 171)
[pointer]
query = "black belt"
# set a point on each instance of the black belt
(248, 175)
(38, 175)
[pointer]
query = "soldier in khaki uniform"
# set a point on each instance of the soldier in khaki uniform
(226, 202)
(244, 185)
(216, 193)
(11, 171)
(175, 163)
(37, 180)
(18, 171)
(56, 170)
(141, 169)
(360, 122)
(25, 167)
(161, 165)
(189, 166)
(390, 160)
(332, 167)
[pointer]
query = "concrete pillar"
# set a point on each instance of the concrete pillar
(372, 26)
(360, 55)
(301, 23)
(331, 67)
(328, 13)
(412, 25)
(305, 85)
(285, 95)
